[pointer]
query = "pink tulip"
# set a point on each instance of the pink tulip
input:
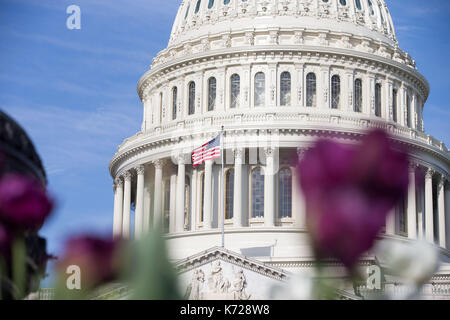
(24, 203)
(349, 191)
(96, 258)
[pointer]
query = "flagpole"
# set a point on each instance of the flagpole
(222, 142)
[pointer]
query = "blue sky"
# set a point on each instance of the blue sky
(74, 91)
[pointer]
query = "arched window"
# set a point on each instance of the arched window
(174, 102)
(226, 2)
(229, 194)
(358, 95)
(378, 100)
(211, 93)
(260, 89)
(210, 4)
(358, 4)
(335, 91)
(394, 105)
(343, 2)
(191, 97)
(311, 90)
(235, 92)
(285, 89)
(285, 193)
(408, 111)
(257, 200)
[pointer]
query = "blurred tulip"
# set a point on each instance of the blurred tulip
(298, 287)
(349, 191)
(6, 240)
(24, 203)
(96, 258)
(414, 263)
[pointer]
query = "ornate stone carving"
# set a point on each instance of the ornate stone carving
(127, 176)
(429, 174)
(118, 182)
(159, 164)
(140, 169)
(250, 38)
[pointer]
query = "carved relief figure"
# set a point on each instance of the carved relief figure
(193, 289)
(239, 284)
(216, 282)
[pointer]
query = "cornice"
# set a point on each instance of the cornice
(309, 125)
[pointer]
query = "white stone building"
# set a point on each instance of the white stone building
(276, 74)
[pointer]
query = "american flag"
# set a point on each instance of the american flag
(208, 151)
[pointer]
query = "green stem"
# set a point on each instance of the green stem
(19, 266)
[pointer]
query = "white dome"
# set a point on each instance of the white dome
(197, 18)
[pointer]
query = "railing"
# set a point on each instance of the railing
(289, 118)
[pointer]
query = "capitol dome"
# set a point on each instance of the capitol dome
(275, 75)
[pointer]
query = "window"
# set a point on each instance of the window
(257, 200)
(408, 111)
(235, 91)
(335, 91)
(191, 98)
(229, 194)
(210, 4)
(211, 93)
(197, 7)
(260, 89)
(174, 102)
(394, 105)
(358, 95)
(372, 12)
(226, 2)
(378, 100)
(310, 90)
(285, 89)
(285, 193)
(187, 11)
(358, 4)
(343, 2)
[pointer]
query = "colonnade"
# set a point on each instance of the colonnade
(425, 208)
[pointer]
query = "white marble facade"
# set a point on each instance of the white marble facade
(275, 75)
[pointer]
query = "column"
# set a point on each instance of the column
(298, 200)
(441, 211)
(412, 224)
(237, 204)
(158, 209)
(194, 215)
(139, 213)
(179, 219)
(126, 205)
(390, 222)
(207, 204)
(118, 208)
(429, 231)
(447, 210)
(173, 202)
(269, 187)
